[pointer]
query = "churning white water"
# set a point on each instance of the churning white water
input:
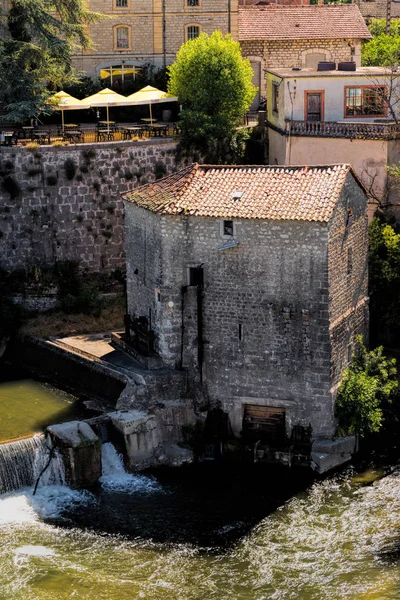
(114, 476)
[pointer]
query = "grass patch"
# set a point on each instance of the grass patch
(56, 323)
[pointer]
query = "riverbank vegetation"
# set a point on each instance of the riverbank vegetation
(366, 391)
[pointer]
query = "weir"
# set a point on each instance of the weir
(22, 461)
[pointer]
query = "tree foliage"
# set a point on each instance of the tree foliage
(383, 50)
(366, 388)
(384, 280)
(37, 40)
(214, 84)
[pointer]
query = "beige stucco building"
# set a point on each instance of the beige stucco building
(139, 32)
(315, 117)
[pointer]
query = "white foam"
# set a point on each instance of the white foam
(30, 550)
(115, 478)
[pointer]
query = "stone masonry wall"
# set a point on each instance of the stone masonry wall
(56, 218)
(292, 53)
(348, 277)
(377, 8)
(268, 289)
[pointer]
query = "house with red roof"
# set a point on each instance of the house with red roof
(253, 281)
(275, 36)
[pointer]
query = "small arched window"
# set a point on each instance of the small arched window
(122, 37)
(192, 32)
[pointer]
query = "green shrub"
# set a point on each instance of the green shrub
(70, 168)
(128, 175)
(160, 170)
(51, 179)
(33, 171)
(11, 186)
(75, 293)
(366, 388)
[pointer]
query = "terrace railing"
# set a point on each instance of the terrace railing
(371, 131)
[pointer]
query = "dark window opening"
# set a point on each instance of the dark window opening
(349, 261)
(275, 97)
(228, 228)
(196, 276)
(349, 217)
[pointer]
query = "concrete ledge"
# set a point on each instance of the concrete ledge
(151, 363)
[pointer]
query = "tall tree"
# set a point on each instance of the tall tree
(214, 84)
(37, 40)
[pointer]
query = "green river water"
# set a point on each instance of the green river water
(27, 407)
(205, 533)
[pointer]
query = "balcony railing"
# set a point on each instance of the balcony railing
(370, 131)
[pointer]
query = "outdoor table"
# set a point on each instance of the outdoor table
(147, 120)
(71, 126)
(158, 130)
(106, 122)
(8, 138)
(130, 130)
(41, 135)
(28, 130)
(74, 134)
(104, 135)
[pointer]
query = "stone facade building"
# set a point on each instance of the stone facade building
(254, 281)
(141, 32)
(299, 36)
(378, 8)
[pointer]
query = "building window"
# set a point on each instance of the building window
(122, 37)
(349, 261)
(192, 32)
(121, 4)
(275, 97)
(365, 101)
(196, 277)
(192, 2)
(228, 228)
(349, 220)
(120, 74)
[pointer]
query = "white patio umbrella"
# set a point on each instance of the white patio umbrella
(106, 98)
(66, 102)
(150, 95)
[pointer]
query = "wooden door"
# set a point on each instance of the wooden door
(314, 109)
(264, 423)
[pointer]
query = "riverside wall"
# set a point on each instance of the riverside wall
(63, 203)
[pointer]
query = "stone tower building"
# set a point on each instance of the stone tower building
(254, 281)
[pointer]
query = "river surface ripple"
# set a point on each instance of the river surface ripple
(340, 539)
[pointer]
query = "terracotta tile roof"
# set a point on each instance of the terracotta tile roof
(319, 22)
(277, 193)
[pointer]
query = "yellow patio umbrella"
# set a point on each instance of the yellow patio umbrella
(106, 98)
(150, 95)
(65, 101)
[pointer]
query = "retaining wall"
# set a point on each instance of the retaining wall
(49, 213)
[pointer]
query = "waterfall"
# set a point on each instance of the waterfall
(115, 478)
(23, 460)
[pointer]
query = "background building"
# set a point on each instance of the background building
(320, 116)
(141, 32)
(299, 36)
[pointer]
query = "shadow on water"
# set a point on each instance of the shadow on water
(208, 506)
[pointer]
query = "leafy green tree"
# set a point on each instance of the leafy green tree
(366, 389)
(383, 50)
(37, 40)
(214, 84)
(384, 281)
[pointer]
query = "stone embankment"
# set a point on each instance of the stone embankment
(63, 203)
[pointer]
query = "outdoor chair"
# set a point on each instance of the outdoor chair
(41, 136)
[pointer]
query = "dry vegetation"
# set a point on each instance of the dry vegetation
(59, 323)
